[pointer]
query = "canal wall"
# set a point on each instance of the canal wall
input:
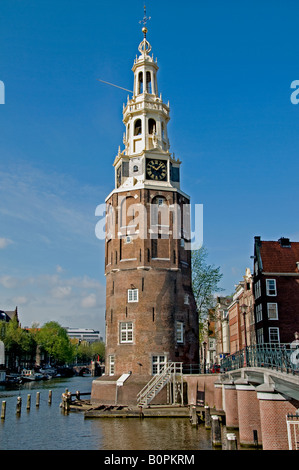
(257, 411)
(106, 390)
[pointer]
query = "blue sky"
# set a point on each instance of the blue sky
(225, 67)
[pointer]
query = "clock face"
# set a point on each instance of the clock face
(156, 170)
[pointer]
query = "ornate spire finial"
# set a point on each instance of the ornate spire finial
(144, 21)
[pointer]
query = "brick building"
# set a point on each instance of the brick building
(151, 316)
(276, 290)
(222, 327)
(241, 315)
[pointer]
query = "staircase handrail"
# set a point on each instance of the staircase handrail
(157, 380)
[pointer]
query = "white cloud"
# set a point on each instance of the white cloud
(89, 301)
(21, 300)
(4, 242)
(60, 292)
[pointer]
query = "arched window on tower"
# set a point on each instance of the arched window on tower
(151, 126)
(148, 82)
(137, 127)
(140, 83)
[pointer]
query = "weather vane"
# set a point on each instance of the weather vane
(144, 21)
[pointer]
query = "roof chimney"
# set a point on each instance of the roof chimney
(285, 242)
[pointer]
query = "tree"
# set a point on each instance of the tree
(53, 339)
(205, 280)
(18, 342)
(98, 350)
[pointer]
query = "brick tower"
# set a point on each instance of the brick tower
(151, 316)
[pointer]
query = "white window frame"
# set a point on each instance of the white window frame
(179, 332)
(159, 361)
(111, 364)
(271, 331)
(260, 336)
(259, 312)
(270, 305)
(269, 289)
(126, 332)
(133, 295)
(257, 289)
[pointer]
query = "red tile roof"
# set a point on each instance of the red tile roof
(276, 258)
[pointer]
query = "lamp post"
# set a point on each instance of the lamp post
(204, 356)
(243, 310)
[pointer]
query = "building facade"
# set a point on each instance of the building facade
(84, 334)
(241, 315)
(276, 290)
(222, 327)
(151, 316)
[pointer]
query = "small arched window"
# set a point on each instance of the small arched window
(151, 126)
(140, 83)
(148, 82)
(137, 127)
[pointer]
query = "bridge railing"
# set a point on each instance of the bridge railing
(283, 357)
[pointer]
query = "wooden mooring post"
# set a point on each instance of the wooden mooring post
(193, 416)
(66, 400)
(37, 399)
(50, 397)
(3, 410)
(207, 417)
(28, 402)
(19, 405)
(216, 431)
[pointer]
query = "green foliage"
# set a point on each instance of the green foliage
(87, 352)
(205, 280)
(17, 340)
(53, 339)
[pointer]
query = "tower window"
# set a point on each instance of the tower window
(179, 332)
(126, 332)
(158, 364)
(151, 126)
(111, 365)
(148, 82)
(132, 295)
(140, 83)
(137, 127)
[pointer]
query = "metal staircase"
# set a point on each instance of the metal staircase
(171, 373)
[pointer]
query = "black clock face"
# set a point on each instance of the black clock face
(156, 170)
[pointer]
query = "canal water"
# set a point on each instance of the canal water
(47, 427)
